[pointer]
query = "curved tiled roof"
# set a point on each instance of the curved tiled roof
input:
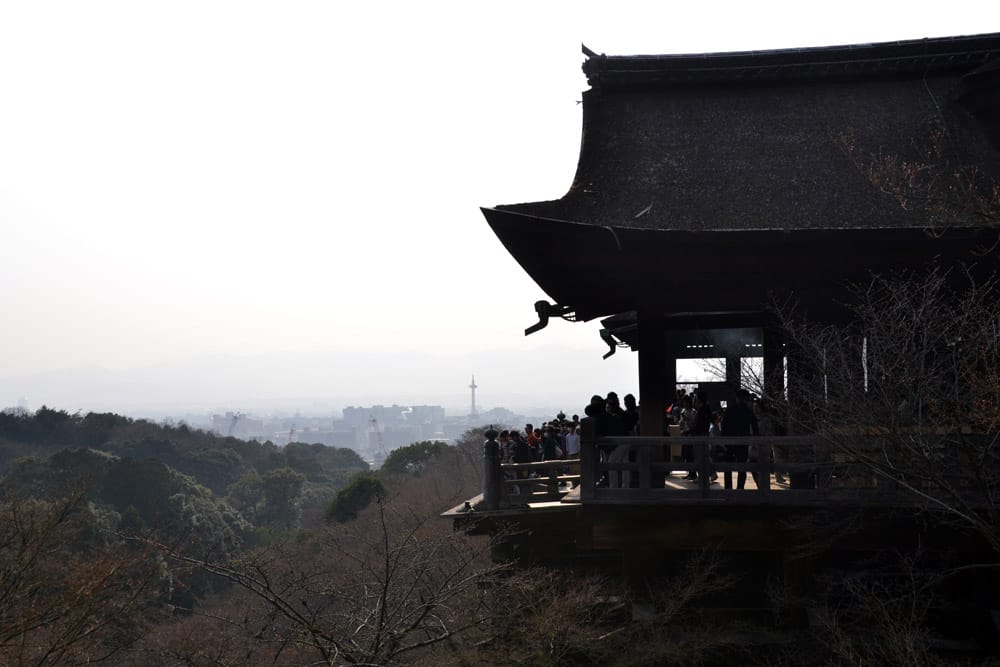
(756, 140)
(745, 174)
(919, 56)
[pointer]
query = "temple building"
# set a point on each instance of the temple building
(711, 187)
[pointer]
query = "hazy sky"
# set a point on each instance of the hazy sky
(192, 180)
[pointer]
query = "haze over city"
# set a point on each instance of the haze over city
(252, 205)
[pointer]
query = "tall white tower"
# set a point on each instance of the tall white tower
(473, 388)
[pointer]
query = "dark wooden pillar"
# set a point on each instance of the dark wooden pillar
(774, 363)
(733, 371)
(653, 366)
(588, 458)
(669, 375)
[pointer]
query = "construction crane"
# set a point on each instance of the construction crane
(378, 437)
(232, 424)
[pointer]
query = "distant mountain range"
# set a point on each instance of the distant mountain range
(552, 376)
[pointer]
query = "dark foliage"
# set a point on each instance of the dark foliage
(356, 496)
(412, 458)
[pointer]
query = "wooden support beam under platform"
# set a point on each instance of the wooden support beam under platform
(768, 531)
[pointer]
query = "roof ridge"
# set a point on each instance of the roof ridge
(927, 54)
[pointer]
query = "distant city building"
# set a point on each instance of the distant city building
(331, 437)
(361, 416)
(371, 431)
(498, 416)
(425, 414)
(382, 429)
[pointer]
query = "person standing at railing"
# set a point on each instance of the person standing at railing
(572, 440)
(522, 452)
(614, 425)
(506, 447)
(702, 425)
(506, 451)
(536, 444)
(703, 414)
(715, 452)
(630, 416)
(674, 409)
(738, 421)
(688, 423)
(768, 427)
(551, 450)
(589, 426)
(630, 427)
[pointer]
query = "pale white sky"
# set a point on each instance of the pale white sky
(183, 180)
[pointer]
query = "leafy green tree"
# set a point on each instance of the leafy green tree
(131, 521)
(412, 458)
(282, 497)
(356, 496)
(215, 467)
(246, 495)
(97, 428)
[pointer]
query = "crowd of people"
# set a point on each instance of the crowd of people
(556, 439)
(560, 437)
(691, 414)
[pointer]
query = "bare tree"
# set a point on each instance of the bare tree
(911, 390)
(885, 622)
(67, 596)
(564, 617)
(935, 181)
(376, 591)
(388, 587)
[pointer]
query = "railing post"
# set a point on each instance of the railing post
(553, 484)
(800, 477)
(644, 458)
(764, 466)
(492, 472)
(588, 458)
(704, 459)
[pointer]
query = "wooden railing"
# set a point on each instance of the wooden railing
(626, 470)
(635, 469)
(540, 481)
(640, 470)
(510, 484)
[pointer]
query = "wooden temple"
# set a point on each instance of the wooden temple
(710, 187)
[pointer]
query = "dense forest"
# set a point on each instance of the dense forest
(132, 543)
(120, 529)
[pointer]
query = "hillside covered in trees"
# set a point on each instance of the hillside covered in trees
(119, 533)
(163, 475)
(128, 543)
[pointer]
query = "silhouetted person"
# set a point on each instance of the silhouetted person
(688, 421)
(631, 415)
(703, 420)
(615, 421)
(739, 420)
(550, 445)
